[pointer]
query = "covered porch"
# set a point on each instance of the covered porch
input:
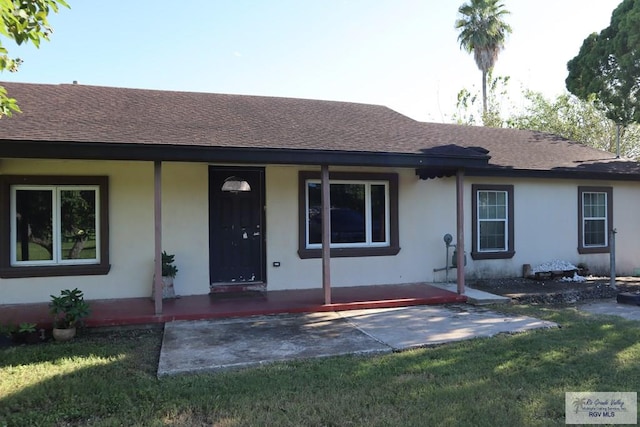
(160, 192)
(140, 311)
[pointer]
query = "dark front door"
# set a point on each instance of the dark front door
(236, 214)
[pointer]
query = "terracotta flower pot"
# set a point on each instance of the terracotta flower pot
(64, 334)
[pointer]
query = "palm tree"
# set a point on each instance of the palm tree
(483, 32)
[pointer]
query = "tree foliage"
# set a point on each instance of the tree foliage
(35, 214)
(23, 21)
(566, 115)
(483, 31)
(577, 120)
(608, 65)
(469, 113)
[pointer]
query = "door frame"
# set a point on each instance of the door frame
(237, 171)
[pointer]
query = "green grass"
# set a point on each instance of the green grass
(108, 379)
(37, 252)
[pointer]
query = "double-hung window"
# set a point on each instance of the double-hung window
(595, 213)
(492, 229)
(56, 226)
(363, 214)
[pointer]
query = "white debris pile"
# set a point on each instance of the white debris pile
(576, 278)
(555, 265)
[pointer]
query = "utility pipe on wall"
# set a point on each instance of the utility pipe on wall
(612, 258)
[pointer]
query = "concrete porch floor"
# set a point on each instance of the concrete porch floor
(132, 311)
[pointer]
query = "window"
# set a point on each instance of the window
(364, 214)
(595, 214)
(55, 226)
(492, 228)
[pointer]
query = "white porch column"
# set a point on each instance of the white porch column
(326, 234)
(460, 229)
(157, 220)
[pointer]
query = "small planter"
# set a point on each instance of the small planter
(68, 310)
(168, 291)
(64, 334)
(169, 272)
(26, 333)
(167, 287)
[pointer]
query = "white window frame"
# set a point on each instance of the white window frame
(56, 225)
(605, 218)
(368, 243)
(505, 221)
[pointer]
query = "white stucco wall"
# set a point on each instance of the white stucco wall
(545, 229)
(626, 221)
(545, 219)
(418, 236)
(185, 224)
(131, 230)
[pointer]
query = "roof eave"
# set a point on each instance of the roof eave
(557, 173)
(194, 153)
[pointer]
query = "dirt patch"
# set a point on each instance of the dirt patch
(555, 291)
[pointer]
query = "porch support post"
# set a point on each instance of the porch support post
(157, 214)
(326, 234)
(460, 229)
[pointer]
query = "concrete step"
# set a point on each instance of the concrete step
(475, 296)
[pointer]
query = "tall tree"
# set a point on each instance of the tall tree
(608, 65)
(483, 31)
(23, 21)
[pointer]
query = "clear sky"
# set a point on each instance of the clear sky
(400, 53)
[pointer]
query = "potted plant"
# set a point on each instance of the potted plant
(26, 333)
(169, 271)
(69, 310)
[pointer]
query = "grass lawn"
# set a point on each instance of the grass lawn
(37, 252)
(108, 379)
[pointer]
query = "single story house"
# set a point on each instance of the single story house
(96, 181)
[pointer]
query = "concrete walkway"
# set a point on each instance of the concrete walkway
(210, 345)
(610, 307)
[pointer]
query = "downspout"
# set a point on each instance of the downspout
(460, 229)
(326, 233)
(157, 221)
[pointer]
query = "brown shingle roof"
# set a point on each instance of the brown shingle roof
(103, 114)
(520, 149)
(185, 120)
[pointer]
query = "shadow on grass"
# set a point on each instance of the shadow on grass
(64, 383)
(506, 380)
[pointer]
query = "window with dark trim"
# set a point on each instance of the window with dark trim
(595, 219)
(54, 226)
(492, 229)
(364, 214)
